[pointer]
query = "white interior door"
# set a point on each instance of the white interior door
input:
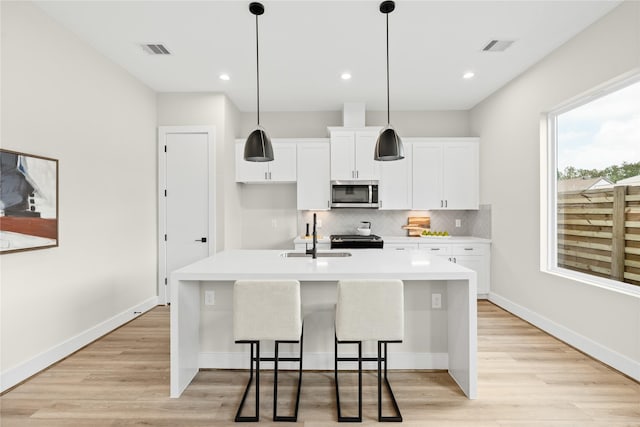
(188, 230)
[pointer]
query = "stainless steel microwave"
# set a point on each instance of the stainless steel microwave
(354, 194)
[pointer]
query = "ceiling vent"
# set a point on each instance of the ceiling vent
(155, 49)
(497, 45)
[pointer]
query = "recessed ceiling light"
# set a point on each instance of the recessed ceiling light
(345, 76)
(225, 77)
(468, 75)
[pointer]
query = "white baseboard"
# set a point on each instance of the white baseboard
(610, 357)
(17, 374)
(324, 361)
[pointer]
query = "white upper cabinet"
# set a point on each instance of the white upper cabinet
(352, 154)
(396, 182)
(313, 190)
(445, 173)
(281, 169)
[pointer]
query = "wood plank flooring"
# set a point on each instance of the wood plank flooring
(526, 378)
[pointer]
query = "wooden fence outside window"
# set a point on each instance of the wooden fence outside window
(599, 232)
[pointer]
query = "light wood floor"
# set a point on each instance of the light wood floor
(526, 378)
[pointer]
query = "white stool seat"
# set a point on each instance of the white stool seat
(267, 310)
(370, 310)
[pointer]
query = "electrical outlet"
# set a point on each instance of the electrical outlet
(209, 297)
(436, 300)
(458, 223)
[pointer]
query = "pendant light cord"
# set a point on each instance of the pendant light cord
(257, 72)
(388, 108)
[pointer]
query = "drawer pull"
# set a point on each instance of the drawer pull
(468, 249)
(435, 249)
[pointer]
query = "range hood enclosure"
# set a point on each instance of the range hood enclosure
(353, 114)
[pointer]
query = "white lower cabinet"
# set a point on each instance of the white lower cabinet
(475, 256)
(400, 246)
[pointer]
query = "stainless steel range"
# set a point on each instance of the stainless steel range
(354, 241)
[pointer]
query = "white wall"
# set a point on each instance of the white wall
(61, 99)
(599, 321)
(313, 124)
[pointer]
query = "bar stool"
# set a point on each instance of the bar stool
(369, 310)
(267, 310)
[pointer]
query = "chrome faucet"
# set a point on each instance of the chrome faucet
(314, 250)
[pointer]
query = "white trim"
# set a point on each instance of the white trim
(548, 186)
(162, 207)
(23, 371)
(599, 352)
(323, 361)
(599, 282)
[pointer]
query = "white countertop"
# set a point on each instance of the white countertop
(363, 264)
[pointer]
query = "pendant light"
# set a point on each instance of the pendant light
(258, 146)
(388, 146)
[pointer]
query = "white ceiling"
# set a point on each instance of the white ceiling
(306, 45)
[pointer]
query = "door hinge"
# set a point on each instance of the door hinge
(165, 237)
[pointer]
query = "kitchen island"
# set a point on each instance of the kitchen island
(416, 267)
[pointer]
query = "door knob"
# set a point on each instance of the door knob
(203, 240)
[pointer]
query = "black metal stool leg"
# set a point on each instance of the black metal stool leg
(277, 417)
(398, 416)
(359, 360)
(246, 390)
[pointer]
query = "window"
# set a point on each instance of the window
(594, 188)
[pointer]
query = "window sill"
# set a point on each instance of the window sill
(600, 282)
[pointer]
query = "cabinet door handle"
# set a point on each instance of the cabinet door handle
(437, 249)
(269, 175)
(468, 249)
(265, 176)
(399, 249)
(455, 261)
(446, 203)
(441, 204)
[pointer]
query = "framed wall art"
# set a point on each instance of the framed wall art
(28, 202)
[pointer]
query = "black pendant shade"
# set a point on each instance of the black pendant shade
(389, 145)
(258, 147)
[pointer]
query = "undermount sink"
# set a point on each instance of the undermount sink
(319, 254)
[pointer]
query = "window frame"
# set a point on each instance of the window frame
(548, 188)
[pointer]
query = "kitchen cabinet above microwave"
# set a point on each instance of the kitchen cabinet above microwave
(281, 169)
(352, 154)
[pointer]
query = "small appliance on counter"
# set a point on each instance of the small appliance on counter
(351, 241)
(364, 229)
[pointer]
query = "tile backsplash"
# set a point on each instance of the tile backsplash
(389, 223)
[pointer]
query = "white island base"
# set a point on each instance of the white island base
(318, 278)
